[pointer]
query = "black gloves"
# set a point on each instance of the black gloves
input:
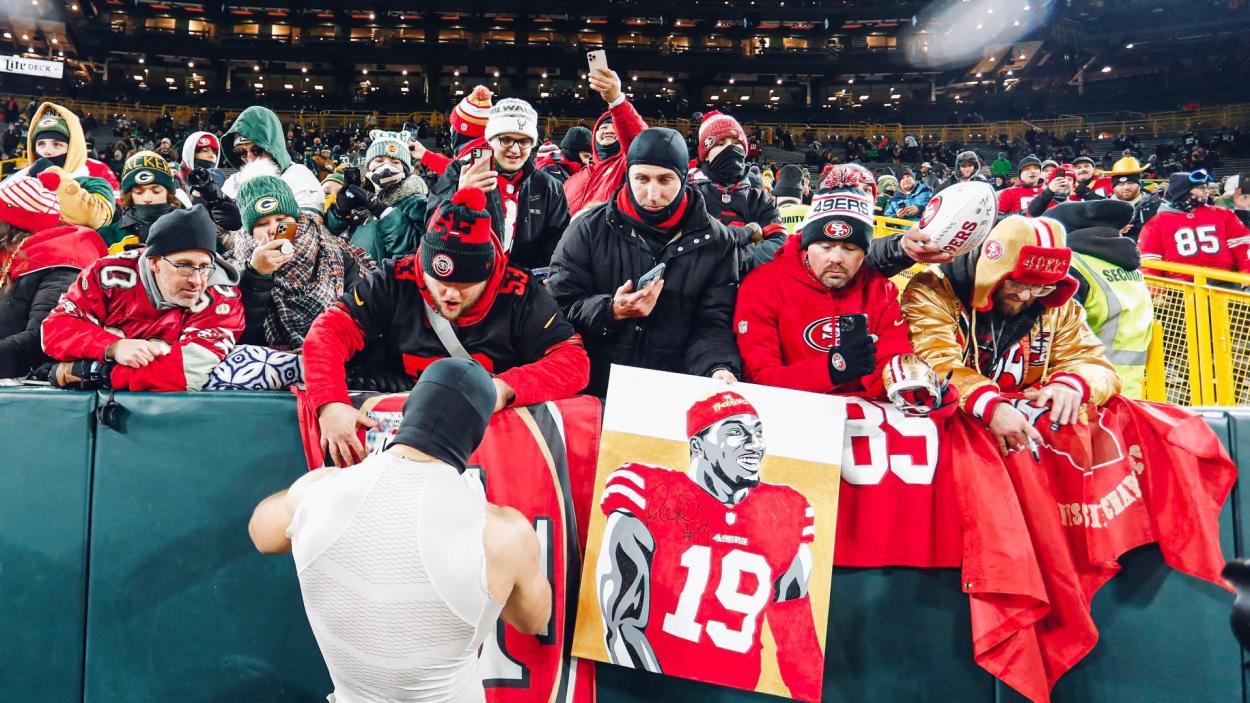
(41, 164)
(91, 375)
(353, 198)
(225, 214)
(854, 357)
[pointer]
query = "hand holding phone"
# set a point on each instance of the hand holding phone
(286, 230)
(602, 79)
(479, 174)
(853, 354)
(651, 276)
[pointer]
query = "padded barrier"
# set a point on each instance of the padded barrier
(45, 483)
(182, 608)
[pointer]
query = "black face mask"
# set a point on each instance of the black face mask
(147, 214)
(729, 165)
(607, 151)
(58, 161)
(203, 163)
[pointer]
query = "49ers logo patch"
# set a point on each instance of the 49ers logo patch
(820, 335)
(930, 211)
(993, 250)
(837, 230)
(442, 265)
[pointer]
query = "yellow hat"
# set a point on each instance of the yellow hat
(1127, 166)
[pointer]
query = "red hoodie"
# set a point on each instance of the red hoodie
(785, 318)
(596, 183)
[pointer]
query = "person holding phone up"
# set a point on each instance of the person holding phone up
(527, 207)
(293, 268)
(679, 321)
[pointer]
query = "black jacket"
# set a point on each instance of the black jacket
(688, 331)
(544, 213)
(22, 309)
(745, 204)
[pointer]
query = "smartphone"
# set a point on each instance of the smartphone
(597, 59)
(478, 154)
(286, 230)
(850, 326)
(651, 276)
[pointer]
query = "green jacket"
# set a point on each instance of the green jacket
(398, 232)
(263, 128)
(1000, 166)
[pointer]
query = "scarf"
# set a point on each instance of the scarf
(657, 228)
(308, 284)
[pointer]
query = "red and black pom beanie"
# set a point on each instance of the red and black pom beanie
(458, 246)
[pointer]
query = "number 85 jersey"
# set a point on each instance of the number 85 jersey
(714, 570)
(1206, 236)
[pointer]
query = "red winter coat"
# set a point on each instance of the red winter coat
(599, 182)
(1015, 200)
(108, 301)
(785, 317)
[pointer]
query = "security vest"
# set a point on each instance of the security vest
(1119, 311)
(792, 216)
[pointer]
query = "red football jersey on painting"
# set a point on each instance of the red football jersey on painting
(714, 568)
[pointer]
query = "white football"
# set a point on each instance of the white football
(960, 217)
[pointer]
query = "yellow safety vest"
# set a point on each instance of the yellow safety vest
(1119, 311)
(792, 216)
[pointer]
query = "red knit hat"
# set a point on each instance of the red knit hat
(31, 204)
(459, 246)
(469, 116)
(715, 408)
(717, 126)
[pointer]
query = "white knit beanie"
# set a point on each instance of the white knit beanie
(512, 116)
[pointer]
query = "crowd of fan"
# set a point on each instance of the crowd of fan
(355, 258)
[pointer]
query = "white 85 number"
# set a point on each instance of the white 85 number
(881, 456)
(1192, 241)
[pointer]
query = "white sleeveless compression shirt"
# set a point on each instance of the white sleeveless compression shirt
(393, 572)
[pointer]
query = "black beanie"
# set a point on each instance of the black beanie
(447, 412)
(660, 146)
(1089, 214)
(1030, 160)
(179, 230)
(789, 182)
(838, 215)
(458, 246)
(575, 140)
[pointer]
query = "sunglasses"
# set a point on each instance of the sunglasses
(242, 151)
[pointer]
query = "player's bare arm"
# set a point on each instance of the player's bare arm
(624, 575)
(514, 574)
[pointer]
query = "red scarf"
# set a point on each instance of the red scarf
(481, 307)
(625, 205)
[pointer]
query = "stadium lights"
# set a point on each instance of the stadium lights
(26, 37)
(53, 40)
(670, 79)
(190, 64)
(304, 69)
(8, 35)
(1126, 46)
(496, 74)
(851, 81)
(1106, 69)
(364, 71)
(140, 60)
(778, 81)
(256, 68)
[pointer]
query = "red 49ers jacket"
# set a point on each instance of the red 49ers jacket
(785, 320)
(109, 302)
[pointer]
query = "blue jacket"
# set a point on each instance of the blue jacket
(919, 197)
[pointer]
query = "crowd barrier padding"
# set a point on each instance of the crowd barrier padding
(45, 483)
(128, 575)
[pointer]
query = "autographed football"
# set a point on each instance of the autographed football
(959, 217)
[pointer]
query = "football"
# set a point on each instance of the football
(960, 217)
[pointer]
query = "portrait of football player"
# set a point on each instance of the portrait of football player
(692, 562)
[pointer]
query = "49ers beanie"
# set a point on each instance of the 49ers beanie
(459, 246)
(838, 216)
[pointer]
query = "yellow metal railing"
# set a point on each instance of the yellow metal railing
(1153, 124)
(1202, 352)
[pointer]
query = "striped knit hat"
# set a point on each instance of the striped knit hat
(31, 204)
(717, 126)
(469, 116)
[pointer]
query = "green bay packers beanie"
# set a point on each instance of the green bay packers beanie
(146, 168)
(263, 196)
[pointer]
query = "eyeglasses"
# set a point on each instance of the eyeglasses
(508, 142)
(189, 271)
(1010, 286)
(242, 151)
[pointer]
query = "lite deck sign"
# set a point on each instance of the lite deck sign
(32, 67)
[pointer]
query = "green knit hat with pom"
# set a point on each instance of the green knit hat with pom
(263, 196)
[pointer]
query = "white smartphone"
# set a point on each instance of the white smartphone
(597, 59)
(478, 154)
